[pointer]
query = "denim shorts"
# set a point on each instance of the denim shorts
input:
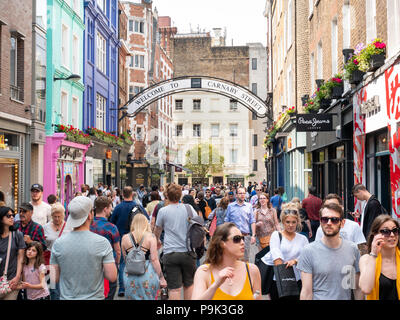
(179, 268)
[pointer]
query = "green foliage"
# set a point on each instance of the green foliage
(203, 159)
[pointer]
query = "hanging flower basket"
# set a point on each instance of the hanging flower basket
(356, 77)
(325, 103)
(337, 92)
(376, 61)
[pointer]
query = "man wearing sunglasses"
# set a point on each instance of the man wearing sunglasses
(330, 266)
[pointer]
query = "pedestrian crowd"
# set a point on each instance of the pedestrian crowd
(195, 242)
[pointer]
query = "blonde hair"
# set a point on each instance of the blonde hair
(297, 202)
(140, 225)
(291, 209)
(58, 207)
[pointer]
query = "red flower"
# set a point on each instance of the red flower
(355, 61)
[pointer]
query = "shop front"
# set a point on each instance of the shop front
(103, 164)
(331, 155)
(376, 137)
(64, 167)
(10, 169)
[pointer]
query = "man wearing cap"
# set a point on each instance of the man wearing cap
(41, 210)
(81, 259)
(31, 230)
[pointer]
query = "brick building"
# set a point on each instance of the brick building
(148, 64)
(325, 33)
(15, 100)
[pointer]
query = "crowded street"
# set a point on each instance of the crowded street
(168, 150)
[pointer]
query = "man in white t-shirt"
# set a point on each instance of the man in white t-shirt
(350, 231)
(41, 209)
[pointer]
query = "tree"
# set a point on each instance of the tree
(203, 159)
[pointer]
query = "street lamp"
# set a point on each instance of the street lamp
(74, 77)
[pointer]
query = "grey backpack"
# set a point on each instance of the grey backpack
(136, 259)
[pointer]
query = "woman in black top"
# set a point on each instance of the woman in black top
(305, 221)
(380, 268)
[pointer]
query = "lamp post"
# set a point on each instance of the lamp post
(74, 77)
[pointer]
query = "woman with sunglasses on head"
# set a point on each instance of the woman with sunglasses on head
(266, 220)
(224, 276)
(287, 248)
(16, 253)
(380, 269)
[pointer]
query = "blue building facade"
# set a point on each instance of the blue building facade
(100, 77)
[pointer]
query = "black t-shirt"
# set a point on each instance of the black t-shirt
(304, 217)
(16, 244)
(373, 208)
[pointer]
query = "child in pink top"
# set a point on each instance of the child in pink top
(34, 272)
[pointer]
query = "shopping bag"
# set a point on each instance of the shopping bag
(286, 281)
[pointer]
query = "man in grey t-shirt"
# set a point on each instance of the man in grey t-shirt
(81, 259)
(329, 267)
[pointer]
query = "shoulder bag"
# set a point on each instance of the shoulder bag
(4, 283)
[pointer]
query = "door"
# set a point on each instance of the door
(383, 191)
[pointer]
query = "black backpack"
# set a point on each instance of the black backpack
(135, 210)
(195, 238)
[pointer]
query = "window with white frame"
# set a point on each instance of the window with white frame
(196, 104)
(100, 112)
(215, 130)
(179, 130)
(370, 16)
(64, 107)
(254, 88)
(65, 46)
(289, 24)
(139, 133)
(75, 112)
(233, 105)
(75, 54)
(233, 130)
(178, 104)
(320, 62)
(346, 24)
(289, 87)
(393, 23)
(312, 71)
(139, 26)
(196, 130)
(131, 92)
(254, 64)
(334, 46)
(13, 61)
(101, 58)
(233, 156)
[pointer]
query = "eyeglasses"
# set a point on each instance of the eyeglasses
(22, 211)
(388, 232)
(237, 239)
(10, 215)
(334, 220)
(258, 189)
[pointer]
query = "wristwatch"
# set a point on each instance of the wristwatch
(373, 255)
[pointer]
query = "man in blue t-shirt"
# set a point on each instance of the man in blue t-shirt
(120, 217)
(276, 202)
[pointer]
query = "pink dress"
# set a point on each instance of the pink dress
(32, 276)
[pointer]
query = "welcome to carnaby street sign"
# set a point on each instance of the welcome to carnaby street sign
(198, 83)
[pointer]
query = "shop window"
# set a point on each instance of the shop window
(340, 152)
(9, 142)
(382, 143)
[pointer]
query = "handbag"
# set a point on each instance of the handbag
(4, 283)
(286, 282)
(213, 225)
(266, 271)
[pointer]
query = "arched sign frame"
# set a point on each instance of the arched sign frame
(196, 83)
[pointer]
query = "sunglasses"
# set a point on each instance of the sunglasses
(388, 232)
(22, 211)
(10, 215)
(334, 220)
(237, 239)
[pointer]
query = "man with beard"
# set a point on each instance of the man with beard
(329, 267)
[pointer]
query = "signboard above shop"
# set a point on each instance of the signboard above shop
(310, 122)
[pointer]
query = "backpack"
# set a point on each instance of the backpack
(196, 233)
(135, 263)
(207, 210)
(135, 210)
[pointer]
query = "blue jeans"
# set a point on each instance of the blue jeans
(121, 275)
(55, 293)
